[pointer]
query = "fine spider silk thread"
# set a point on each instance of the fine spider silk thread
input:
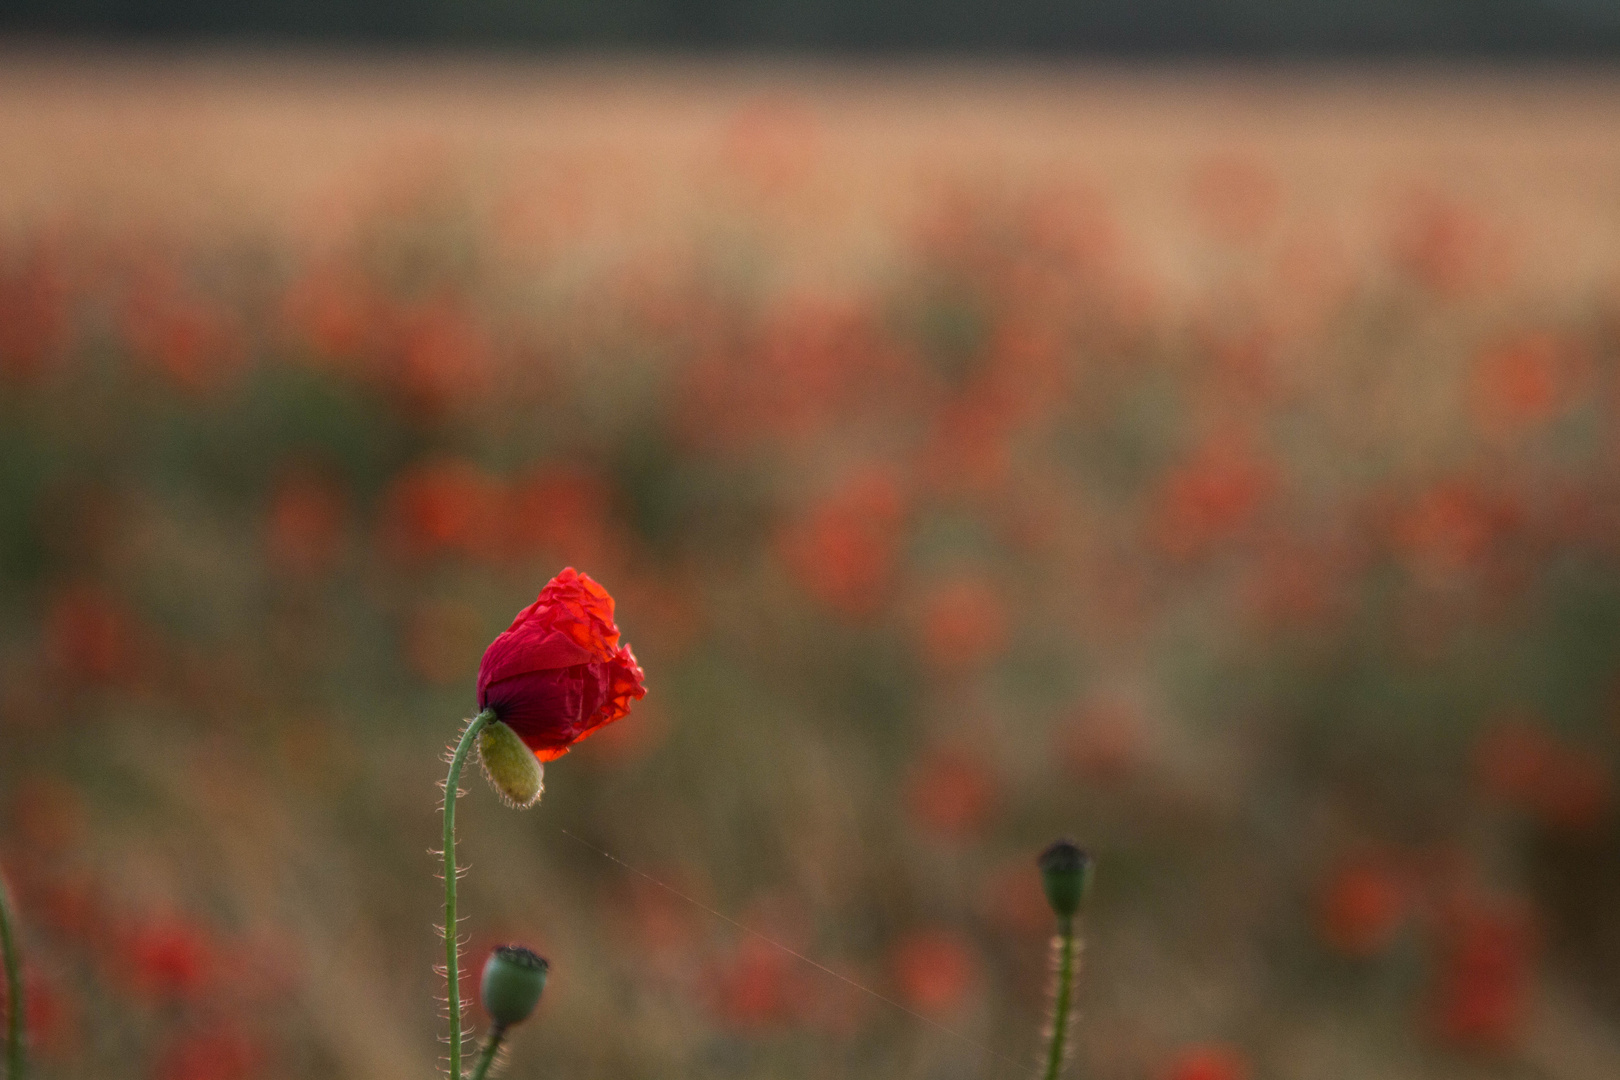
(1001, 1059)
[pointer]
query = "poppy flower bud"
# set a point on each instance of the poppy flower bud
(510, 767)
(513, 980)
(1065, 875)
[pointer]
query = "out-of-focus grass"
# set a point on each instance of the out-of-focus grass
(1292, 592)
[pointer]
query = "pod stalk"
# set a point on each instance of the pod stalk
(452, 943)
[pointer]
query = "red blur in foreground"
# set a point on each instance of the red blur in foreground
(558, 672)
(225, 1054)
(48, 1016)
(1208, 1063)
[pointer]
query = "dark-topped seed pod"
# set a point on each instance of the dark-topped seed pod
(1065, 875)
(513, 979)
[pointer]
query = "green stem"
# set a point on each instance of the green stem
(15, 1053)
(491, 1046)
(1061, 1008)
(452, 943)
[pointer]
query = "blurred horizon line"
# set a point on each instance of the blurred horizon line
(21, 52)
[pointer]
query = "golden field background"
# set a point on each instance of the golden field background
(818, 162)
(1217, 466)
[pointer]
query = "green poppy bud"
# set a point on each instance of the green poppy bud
(510, 767)
(1065, 875)
(513, 980)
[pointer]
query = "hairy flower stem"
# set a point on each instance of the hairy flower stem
(492, 1046)
(1060, 1006)
(14, 989)
(452, 943)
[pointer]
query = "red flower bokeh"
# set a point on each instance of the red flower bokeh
(167, 959)
(1453, 529)
(1212, 497)
(756, 989)
(934, 970)
(558, 672)
(951, 794)
(1363, 905)
(224, 1054)
(89, 636)
(844, 550)
(965, 623)
(48, 1015)
(444, 506)
(305, 523)
(1486, 972)
(1106, 742)
(1212, 1062)
(35, 323)
(1521, 383)
(192, 342)
(1520, 763)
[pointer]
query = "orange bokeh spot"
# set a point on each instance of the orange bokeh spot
(221, 1053)
(1362, 906)
(843, 551)
(443, 355)
(87, 635)
(951, 794)
(1567, 788)
(167, 958)
(1485, 975)
(1448, 248)
(305, 522)
(1208, 1062)
(197, 346)
(757, 988)
(562, 512)
(934, 970)
(334, 311)
(964, 623)
(1519, 384)
(1212, 497)
(1452, 528)
(1106, 742)
(34, 314)
(48, 1015)
(444, 506)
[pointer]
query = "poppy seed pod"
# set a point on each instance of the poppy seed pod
(513, 979)
(510, 767)
(1065, 875)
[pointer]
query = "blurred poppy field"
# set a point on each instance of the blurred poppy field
(975, 459)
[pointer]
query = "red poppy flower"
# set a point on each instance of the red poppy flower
(558, 673)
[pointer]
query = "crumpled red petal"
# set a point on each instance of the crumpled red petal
(558, 673)
(571, 622)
